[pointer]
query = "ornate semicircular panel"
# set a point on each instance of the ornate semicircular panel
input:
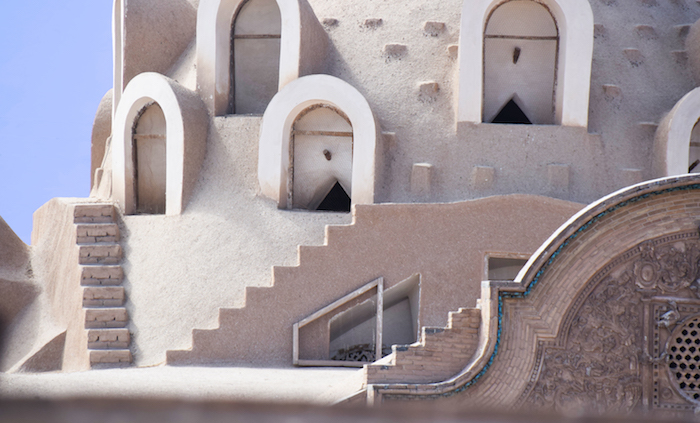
(631, 341)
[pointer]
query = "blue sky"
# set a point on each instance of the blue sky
(55, 66)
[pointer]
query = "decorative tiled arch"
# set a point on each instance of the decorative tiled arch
(302, 49)
(273, 155)
(187, 125)
(672, 142)
(553, 278)
(574, 19)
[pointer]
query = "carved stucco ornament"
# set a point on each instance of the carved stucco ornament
(631, 340)
(669, 267)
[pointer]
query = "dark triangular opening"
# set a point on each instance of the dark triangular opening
(511, 113)
(336, 200)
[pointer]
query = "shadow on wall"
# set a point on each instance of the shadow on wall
(15, 272)
(15, 296)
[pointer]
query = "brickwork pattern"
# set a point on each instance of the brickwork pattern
(439, 354)
(582, 249)
(358, 255)
(106, 318)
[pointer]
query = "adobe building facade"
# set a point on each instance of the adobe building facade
(421, 191)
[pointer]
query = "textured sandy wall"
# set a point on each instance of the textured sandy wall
(18, 292)
(181, 269)
(14, 254)
(639, 72)
(445, 243)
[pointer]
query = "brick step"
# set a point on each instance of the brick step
(100, 254)
(93, 213)
(110, 357)
(439, 353)
(99, 318)
(94, 233)
(103, 339)
(103, 296)
(101, 275)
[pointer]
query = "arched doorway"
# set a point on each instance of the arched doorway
(321, 159)
(150, 160)
(255, 56)
(521, 44)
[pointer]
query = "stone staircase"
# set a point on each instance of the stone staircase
(100, 256)
(439, 354)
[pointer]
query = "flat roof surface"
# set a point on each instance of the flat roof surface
(319, 386)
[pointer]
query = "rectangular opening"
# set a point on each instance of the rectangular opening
(504, 268)
(361, 327)
(352, 332)
(311, 335)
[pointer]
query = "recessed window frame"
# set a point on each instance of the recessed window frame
(292, 138)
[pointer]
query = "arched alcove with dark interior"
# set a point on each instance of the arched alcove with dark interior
(521, 48)
(321, 159)
(149, 156)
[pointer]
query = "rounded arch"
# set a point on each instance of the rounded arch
(187, 126)
(283, 110)
(214, 21)
(672, 142)
(550, 283)
(574, 19)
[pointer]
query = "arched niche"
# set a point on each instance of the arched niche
(574, 21)
(149, 160)
(186, 126)
(255, 56)
(321, 159)
(521, 41)
(275, 157)
(302, 47)
(677, 141)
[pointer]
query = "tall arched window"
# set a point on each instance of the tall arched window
(255, 56)
(150, 160)
(321, 160)
(521, 45)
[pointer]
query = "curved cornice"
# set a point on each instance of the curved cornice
(545, 258)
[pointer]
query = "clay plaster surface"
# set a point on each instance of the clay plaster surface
(692, 45)
(305, 386)
(229, 236)
(14, 254)
(445, 243)
(648, 90)
(156, 33)
(18, 291)
(181, 269)
(184, 70)
(639, 72)
(424, 129)
(58, 303)
(101, 130)
(673, 137)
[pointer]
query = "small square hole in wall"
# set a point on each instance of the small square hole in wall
(504, 269)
